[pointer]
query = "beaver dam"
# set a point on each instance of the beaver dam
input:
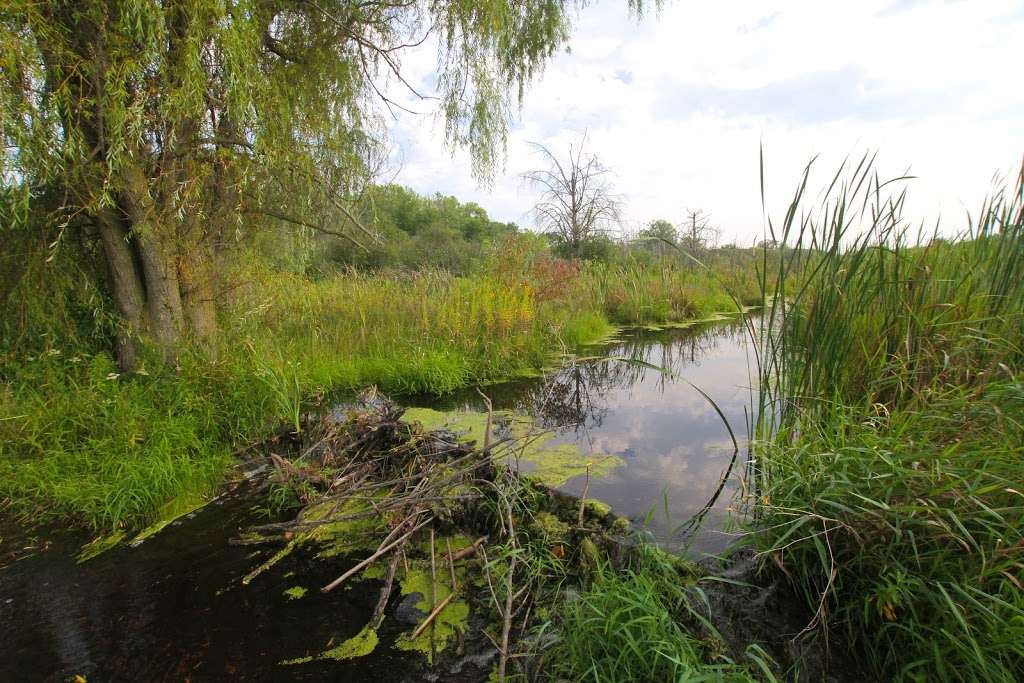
(418, 544)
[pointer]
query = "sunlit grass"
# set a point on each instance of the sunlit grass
(634, 293)
(80, 441)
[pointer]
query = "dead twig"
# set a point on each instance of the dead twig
(467, 551)
(381, 551)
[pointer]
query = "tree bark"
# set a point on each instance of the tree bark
(157, 245)
(125, 285)
(199, 296)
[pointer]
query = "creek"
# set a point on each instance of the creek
(173, 607)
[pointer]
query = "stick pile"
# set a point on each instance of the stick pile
(371, 465)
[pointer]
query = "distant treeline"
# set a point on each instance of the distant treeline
(420, 231)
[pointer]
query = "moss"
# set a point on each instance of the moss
(295, 592)
(621, 525)
(590, 556)
(552, 528)
(98, 546)
(598, 509)
(359, 645)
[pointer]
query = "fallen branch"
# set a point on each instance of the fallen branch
(385, 592)
(362, 565)
(433, 615)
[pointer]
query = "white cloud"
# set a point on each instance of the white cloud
(679, 104)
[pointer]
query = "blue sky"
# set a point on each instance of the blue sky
(678, 105)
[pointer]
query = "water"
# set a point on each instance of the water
(677, 448)
(173, 608)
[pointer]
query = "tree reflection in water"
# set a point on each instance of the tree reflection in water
(633, 399)
(575, 398)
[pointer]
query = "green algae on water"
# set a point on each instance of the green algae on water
(452, 619)
(174, 510)
(347, 535)
(98, 546)
(470, 425)
(335, 538)
(295, 592)
(551, 465)
(359, 645)
(557, 465)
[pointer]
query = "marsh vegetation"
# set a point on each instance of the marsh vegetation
(206, 279)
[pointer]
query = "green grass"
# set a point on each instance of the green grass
(910, 527)
(889, 467)
(634, 293)
(76, 440)
(629, 626)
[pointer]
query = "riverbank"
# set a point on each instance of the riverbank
(83, 443)
(888, 479)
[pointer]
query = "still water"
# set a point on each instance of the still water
(640, 401)
(174, 608)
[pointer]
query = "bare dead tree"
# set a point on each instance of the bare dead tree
(577, 201)
(697, 232)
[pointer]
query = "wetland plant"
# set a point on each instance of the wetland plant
(889, 462)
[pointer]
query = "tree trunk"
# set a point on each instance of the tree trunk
(126, 287)
(157, 245)
(199, 296)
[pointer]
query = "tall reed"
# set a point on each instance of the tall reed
(892, 405)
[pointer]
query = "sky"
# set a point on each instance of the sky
(679, 104)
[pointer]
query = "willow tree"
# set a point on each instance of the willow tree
(170, 129)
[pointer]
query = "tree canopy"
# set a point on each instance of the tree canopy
(164, 132)
(420, 231)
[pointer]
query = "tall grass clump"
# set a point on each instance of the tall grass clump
(629, 625)
(80, 442)
(407, 331)
(891, 439)
(637, 293)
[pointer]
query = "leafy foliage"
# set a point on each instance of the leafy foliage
(172, 131)
(420, 232)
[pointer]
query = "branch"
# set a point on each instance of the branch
(298, 221)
